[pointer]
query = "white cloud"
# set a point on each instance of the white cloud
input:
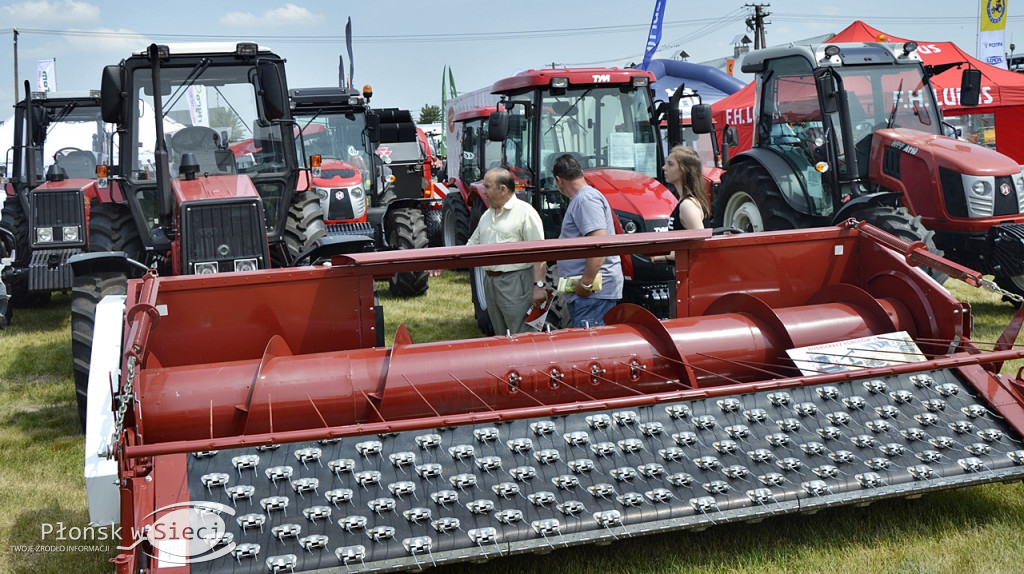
(287, 14)
(47, 12)
(122, 42)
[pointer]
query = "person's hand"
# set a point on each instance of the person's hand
(582, 290)
(540, 295)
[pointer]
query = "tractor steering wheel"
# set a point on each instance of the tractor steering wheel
(64, 152)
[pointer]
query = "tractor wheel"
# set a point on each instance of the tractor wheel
(407, 230)
(750, 200)
(483, 320)
(13, 219)
(454, 220)
(305, 224)
(435, 235)
(111, 228)
(904, 226)
(85, 296)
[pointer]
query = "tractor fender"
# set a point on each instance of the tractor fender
(105, 261)
(879, 198)
(792, 186)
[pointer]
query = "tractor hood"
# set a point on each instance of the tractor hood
(953, 154)
(213, 188)
(633, 192)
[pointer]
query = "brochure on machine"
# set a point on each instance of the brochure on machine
(568, 284)
(884, 350)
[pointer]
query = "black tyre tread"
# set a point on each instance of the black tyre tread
(111, 228)
(454, 220)
(305, 224)
(85, 296)
(898, 222)
(752, 178)
(14, 220)
(407, 230)
(483, 320)
(432, 219)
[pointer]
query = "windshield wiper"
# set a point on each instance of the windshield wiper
(895, 106)
(189, 80)
(571, 108)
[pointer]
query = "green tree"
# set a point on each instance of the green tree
(430, 114)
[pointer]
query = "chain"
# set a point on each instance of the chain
(993, 287)
(127, 398)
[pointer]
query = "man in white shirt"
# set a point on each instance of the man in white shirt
(510, 289)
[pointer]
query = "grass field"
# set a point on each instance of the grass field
(979, 529)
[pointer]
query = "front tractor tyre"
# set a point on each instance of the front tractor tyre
(406, 229)
(896, 221)
(305, 224)
(454, 220)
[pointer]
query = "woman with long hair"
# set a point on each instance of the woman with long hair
(683, 171)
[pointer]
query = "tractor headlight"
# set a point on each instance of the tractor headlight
(357, 193)
(246, 264)
(1018, 183)
(44, 235)
(206, 268)
(70, 232)
(630, 226)
(981, 188)
(321, 193)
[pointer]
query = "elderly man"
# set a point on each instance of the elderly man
(587, 215)
(510, 289)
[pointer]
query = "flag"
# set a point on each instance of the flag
(341, 71)
(348, 43)
(654, 37)
(198, 112)
(991, 37)
(46, 78)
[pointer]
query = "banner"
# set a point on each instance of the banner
(348, 44)
(654, 37)
(991, 37)
(46, 78)
(198, 112)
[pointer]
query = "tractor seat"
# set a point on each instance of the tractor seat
(78, 164)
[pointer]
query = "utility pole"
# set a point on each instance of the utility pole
(757, 24)
(15, 92)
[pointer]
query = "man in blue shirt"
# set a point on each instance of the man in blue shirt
(587, 215)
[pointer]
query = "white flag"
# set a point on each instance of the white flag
(197, 106)
(46, 79)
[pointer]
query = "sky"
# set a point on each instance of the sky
(401, 47)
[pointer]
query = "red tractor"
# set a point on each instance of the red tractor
(59, 139)
(604, 117)
(853, 131)
(181, 201)
(370, 172)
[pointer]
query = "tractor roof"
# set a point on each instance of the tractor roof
(850, 54)
(576, 76)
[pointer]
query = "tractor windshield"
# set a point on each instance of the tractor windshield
(209, 112)
(75, 139)
(603, 126)
(338, 136)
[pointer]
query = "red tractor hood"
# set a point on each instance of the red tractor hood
(957, 155)
(633, 192)
(213, 188)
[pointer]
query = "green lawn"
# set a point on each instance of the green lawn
(975, 530)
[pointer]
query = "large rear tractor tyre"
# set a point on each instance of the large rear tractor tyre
(305, 224)
(407, 230)
(454, 220)
(85, 296)
(898, 222)
(13, 219)
(111, 228)
(748, 199)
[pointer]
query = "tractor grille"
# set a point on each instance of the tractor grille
(224, 233)
(49, 270)
(961, 203)
(62, 213)
(351, 229)
(412, 499)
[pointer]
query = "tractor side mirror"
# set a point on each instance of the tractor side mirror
(110, 95)
(700, 119)
(827, 89)
(272, 90)
(730, 137)
(373, 128)
(970, 87)
(497, 126)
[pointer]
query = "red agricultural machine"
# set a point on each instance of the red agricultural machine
(182, 201)
(59, 139)
(853, 131)
(371, 173)
(257, 408)
(606, 118)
